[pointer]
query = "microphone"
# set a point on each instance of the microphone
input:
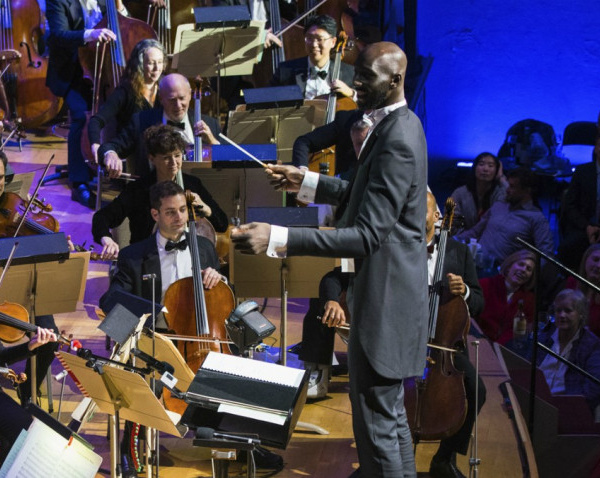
(205, 433)
(85, 353)
(159, 366)
(59, 376)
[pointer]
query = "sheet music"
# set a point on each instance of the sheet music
(242, 411)
(254, 369)
(44, 449)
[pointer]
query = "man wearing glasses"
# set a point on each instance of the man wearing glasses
(313, 72)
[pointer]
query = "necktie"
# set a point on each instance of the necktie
(176, 125)
(181, 245)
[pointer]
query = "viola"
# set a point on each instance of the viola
(436, 402)
(15, 378)
(38, 221)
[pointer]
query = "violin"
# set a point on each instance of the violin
(436, 403)
(38, 221)
(194, 312)
(15, 378)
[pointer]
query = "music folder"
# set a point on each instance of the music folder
(241, 395)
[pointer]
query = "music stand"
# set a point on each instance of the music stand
(33, 285)
(220, 51)
(120, 393)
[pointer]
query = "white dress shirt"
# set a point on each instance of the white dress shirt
(174, 265)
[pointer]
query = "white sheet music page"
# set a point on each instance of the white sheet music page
(254, 369)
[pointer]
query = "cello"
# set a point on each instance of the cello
(20, 27)
(436, 402)
(196, 313)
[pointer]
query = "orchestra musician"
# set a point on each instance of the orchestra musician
(312, 73)
(137, 91)
(71, 25)
(461, 279)
(14, 418)
(383, 230)
(166, 149)
(45, 355)
(175, 95)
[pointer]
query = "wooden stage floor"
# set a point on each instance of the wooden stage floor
(308, 454)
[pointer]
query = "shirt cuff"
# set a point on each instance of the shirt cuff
(308, 188)
(467, 292)
(87, 35)
(278, 242)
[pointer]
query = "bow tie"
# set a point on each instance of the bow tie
(175, 124)
(431, 248)
(181, 245)
(319, 73)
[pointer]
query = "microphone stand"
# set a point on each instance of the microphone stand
(538, 300)
(474, 460)
(152, 444)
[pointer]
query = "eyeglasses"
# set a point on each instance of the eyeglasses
(319, 40)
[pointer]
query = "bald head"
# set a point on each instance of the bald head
(175, 95)
(379, 75)
(432, 217)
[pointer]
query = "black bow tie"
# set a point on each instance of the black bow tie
(431, 248)
(175, 124)
(181, 245)
(320, 73)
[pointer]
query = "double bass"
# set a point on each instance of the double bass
(436, 403)
(20, 29)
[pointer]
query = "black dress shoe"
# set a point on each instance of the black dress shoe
(83, 196)
(440, 468)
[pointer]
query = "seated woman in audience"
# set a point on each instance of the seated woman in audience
(502, 294)
(485, 185)
(137, 90)
(590, 270)
(569, 337)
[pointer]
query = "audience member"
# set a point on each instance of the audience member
(519, 216)
(590, 270)
(486, 185)
(580, 211)
(569, 337)
(502, 294)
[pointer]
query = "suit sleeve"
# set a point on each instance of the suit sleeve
(390, 176)
(112, 215)
(318, 139)
(61, 35)
(122, 280)
(125, 143)
(108, 112)
(475, 300)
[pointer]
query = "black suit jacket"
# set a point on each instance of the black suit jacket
(335, 133)
(130, 142)
(142, 258)
(459, 261)
(66, 27)
(579, 205)
(295, 72)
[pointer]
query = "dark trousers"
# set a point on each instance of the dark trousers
(381, 431)
(13, 419)
(459, 442)
(77, 101)
(44, 356)
(317, 339)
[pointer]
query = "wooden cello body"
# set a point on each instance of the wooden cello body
(436, 403)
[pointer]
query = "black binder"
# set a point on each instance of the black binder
(210, 389)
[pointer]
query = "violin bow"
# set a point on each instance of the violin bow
(33, 196)
(8, 261)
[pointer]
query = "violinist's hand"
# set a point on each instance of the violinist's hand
(456, 285)
(95, 147)
(251, 238)
(333, 314)
(41, 337)
(198, 202)
(285, 178)
(271, 40)
(202, 129)
(113, 164)
(110, 249)
(339, 87)
(102, 35)
(210, 277)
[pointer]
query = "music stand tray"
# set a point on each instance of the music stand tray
(220, 51)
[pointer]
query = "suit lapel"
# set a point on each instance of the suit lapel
(151, 265)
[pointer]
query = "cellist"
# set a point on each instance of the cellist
(460, 279)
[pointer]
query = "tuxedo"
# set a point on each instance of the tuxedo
(141, 258)
(295, 72)
(130, 142)
(383, 229)
(577, 212)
